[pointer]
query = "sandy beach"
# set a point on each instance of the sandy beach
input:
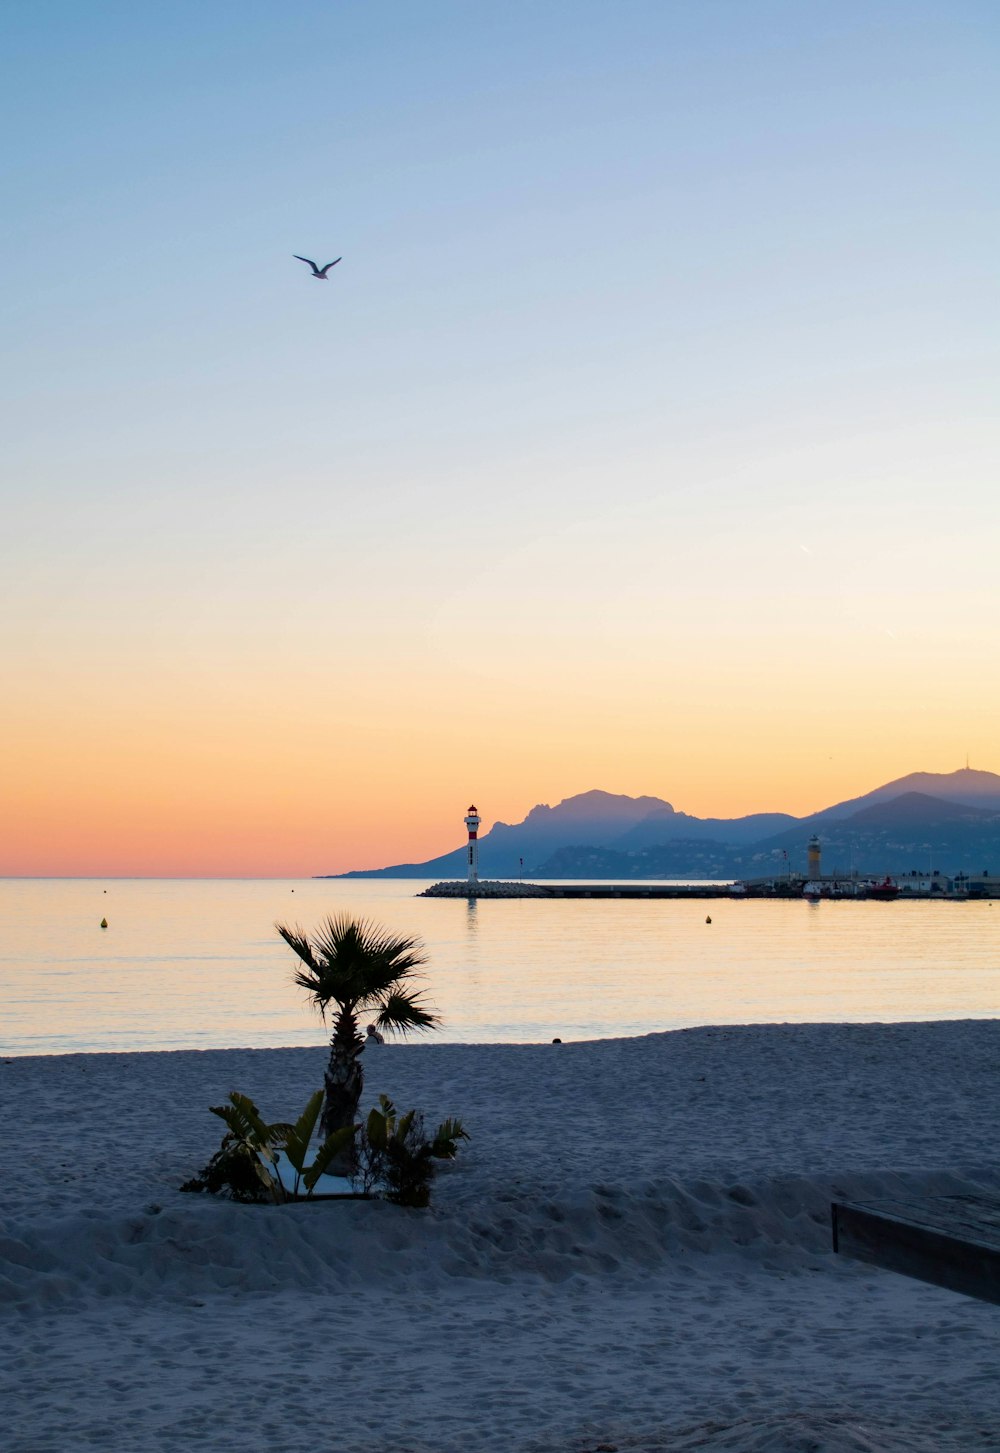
(633, 1251)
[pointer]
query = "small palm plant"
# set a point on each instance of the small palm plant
(352, 968)
(396, 1153)
(246, 1164)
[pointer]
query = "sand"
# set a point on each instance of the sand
(632, 1252)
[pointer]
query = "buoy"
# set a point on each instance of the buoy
(557, 1041)
(708, 919)
(104, 923)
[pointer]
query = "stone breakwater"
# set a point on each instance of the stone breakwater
(486, 889)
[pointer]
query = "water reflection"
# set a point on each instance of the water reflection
(197, 964)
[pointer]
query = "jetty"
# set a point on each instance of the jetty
(802, 888)
(492, 888)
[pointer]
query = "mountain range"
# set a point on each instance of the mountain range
(946, 821)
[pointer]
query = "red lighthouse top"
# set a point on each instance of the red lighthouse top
(472, 810)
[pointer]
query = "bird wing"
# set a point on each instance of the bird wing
(330, 264)
(305, 259)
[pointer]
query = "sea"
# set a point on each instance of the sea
(197, 964)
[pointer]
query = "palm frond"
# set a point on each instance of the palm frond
(297, 940)
(400, 1011)
(379, 977)
(358, 966)
(315, 986)
(363, 948)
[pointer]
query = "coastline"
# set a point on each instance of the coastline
(633, 1247)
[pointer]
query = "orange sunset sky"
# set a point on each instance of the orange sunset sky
(646, 437)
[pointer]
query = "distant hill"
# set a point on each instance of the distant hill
(684, 858)
(898, 834)
(659, 828)
(967, 786)
(953, 818)
(919, 808)
(909, 832)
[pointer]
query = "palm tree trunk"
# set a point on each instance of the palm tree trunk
(343, 1082)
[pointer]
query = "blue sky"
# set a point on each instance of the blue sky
(554, 217)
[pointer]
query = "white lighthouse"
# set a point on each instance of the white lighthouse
(472, 823)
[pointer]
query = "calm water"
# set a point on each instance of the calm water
(195, 964)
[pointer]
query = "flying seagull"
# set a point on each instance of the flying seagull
(320, 272)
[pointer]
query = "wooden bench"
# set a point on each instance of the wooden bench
(952, 1241)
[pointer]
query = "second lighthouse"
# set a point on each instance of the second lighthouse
(472, 823)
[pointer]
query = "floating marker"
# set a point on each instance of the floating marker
(104, 923)
(708, 919)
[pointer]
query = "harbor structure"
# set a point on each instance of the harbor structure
(472, 823)
(811, 885)
(887, 890)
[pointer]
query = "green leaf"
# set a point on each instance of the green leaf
(331, 1147)
(243, 1119)
(247, 1122)
(298, 1136)
(269, 1181)
(378, 1130)
(444, 1146)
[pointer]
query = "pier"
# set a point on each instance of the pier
(802, 888)
(494, 888)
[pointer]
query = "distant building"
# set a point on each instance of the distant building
(929, 882)
(979, 885)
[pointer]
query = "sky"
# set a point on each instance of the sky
(646, 437)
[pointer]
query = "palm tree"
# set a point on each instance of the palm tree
(360, 968)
